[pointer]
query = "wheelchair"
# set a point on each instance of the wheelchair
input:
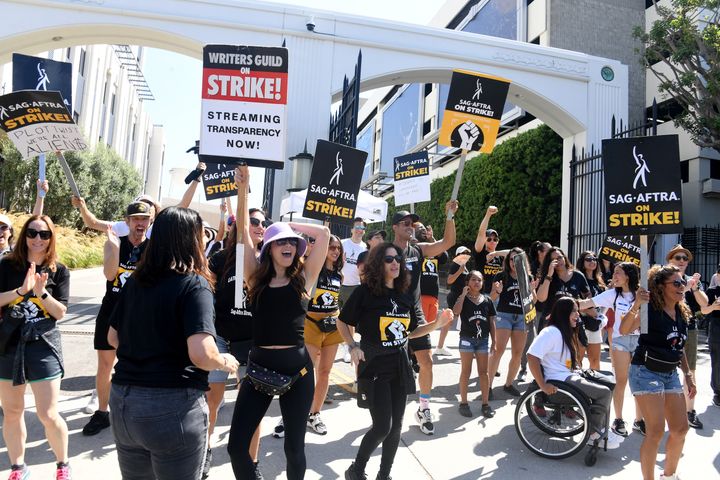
(558, 425)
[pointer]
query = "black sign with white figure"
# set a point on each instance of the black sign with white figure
(37, 73)
(621, 249)
(219, 181)
(334, 182)
(642, 185)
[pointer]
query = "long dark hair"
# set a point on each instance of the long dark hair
(339, 263)
(506, 262)
(560, 319)
(19, 255)
(176, 246)
(374, 273)
(548, 258)
(633, 273)
(265, 272)
(657, 276)
(595, 275)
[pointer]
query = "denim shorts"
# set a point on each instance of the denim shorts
(647, 382)
(510, 321)
(239, 350)
(474, 345)
(625, 343)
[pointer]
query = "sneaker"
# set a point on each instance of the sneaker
(92, 405)
(258, 474)
(619, 427)
(487, 411)
(63, 472)
(383, 476)
(424, 419)
(539, 410)
(464, 410)
(206, 464)
(279, 431)
(693, 420)
(511, 390)
(315, 423)
(639, 426)
(612, 441)
(346, 354)
(21, 473)
(570, 414)
(353, 473)
(98, 422)
(674, 476)
(443, 352)
(521, 375)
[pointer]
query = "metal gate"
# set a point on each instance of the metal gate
(704, 243)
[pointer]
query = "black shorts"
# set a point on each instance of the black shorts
(420, 343)
(102, 327)
(40, 363)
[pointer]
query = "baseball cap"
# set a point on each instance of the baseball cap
(462, 250)
(382, 233)
(138, 209)
(490, 231)
(401, 214)
(6, 220)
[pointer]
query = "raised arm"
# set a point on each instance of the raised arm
(315, 261)
(88, 218)
(224, 208)
(436, 248)
(192, 187)
(40, 199)
(457, 308)
(480, 240)
(242, 220)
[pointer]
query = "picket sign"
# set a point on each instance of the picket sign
(41, 173)
(458, 178)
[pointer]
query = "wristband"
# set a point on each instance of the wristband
(44, 296)
(17, 292)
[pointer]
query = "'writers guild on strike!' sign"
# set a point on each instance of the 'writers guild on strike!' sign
(244, 101)
(642, 185)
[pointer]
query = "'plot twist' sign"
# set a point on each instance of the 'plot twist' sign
(473, 111)
(642, 185)
(244, 101)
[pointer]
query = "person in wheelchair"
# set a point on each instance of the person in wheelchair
(553, 356)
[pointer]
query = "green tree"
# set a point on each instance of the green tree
(682, 49)
(522, 177)
(107, 182)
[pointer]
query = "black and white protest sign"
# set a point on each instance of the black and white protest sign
(621, 249)
(412, 178)
(334, 182)
(38, 122)
(37, 73)
(219, 181)
(244, 102)
(642, 185)
(524, 287)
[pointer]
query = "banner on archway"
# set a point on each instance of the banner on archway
(244, 103)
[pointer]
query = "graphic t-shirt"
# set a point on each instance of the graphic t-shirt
(577, 287)
(430, 275)
(620, 302)
(457, 286)
(350, 273)
(475, 318)
(692, 303)
(129, 257)
(554, 355)
(324, 301)
(714, 329)
(233, 324)
(510, 300)
(489, 269)
(58, 286)
(665, 338)
(382, 321)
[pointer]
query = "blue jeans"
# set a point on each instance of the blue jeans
(160, 433)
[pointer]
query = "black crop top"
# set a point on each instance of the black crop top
(279, 317)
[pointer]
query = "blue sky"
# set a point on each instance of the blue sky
(176, 81)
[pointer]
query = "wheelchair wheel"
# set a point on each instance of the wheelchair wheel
(553, 426)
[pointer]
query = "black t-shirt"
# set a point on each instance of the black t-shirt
(457, 286)
(232, 324)
(324, 301)
(692, 303)
(577, 287)
(413, 262)
(153, 325)
(475, 318)
(510, 300)
(714, 317)
(665, 338)
(382, 321)
(430, 275)
(129, 257)
(11, 278)
(489, 269)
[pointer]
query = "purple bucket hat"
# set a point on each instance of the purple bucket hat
(278, 231)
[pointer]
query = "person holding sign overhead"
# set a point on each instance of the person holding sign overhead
(402, 225)
(488, 260)
(279, 288)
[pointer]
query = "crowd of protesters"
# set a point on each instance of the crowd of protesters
(171, 330)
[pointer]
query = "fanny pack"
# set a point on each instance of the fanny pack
(592, 324)
(11, 321)
(269, 381)
(658, 365)
(325, 325)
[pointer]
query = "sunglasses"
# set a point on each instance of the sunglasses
(591, 259)
(492, 239)
(44, 234)
(285, 241)
(359, 227)
(389, 258)
(334, 247)
(256, 222)
(681, 258)
(4, 227)
(677, 283)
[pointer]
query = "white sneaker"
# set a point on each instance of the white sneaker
(279, 431)
(315, 423)
(424, 420)
(612, 440)
(443, 352)
(346, 354)
(674, 476)
(92, 405)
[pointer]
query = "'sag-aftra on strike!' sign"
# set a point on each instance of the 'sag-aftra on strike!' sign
(244, 102)
(37, 122)
(412, 178)
(642, 185)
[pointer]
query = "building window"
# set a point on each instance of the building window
(81, 63)
(497, 18)
(76, 118)
(685, 171)
(401, 126)
(366, 143)
(667, 110)
(715, 169)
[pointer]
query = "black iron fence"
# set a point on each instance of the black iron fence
(704, 243)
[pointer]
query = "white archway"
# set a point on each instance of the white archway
(563, 88)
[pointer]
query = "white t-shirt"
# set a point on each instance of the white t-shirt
(622, 305)
(554, 355)
(351, 277)
(121, 229)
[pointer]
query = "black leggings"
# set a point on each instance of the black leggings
(252, 405)
(387, 409)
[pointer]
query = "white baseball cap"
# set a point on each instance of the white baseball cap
(5, 219)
